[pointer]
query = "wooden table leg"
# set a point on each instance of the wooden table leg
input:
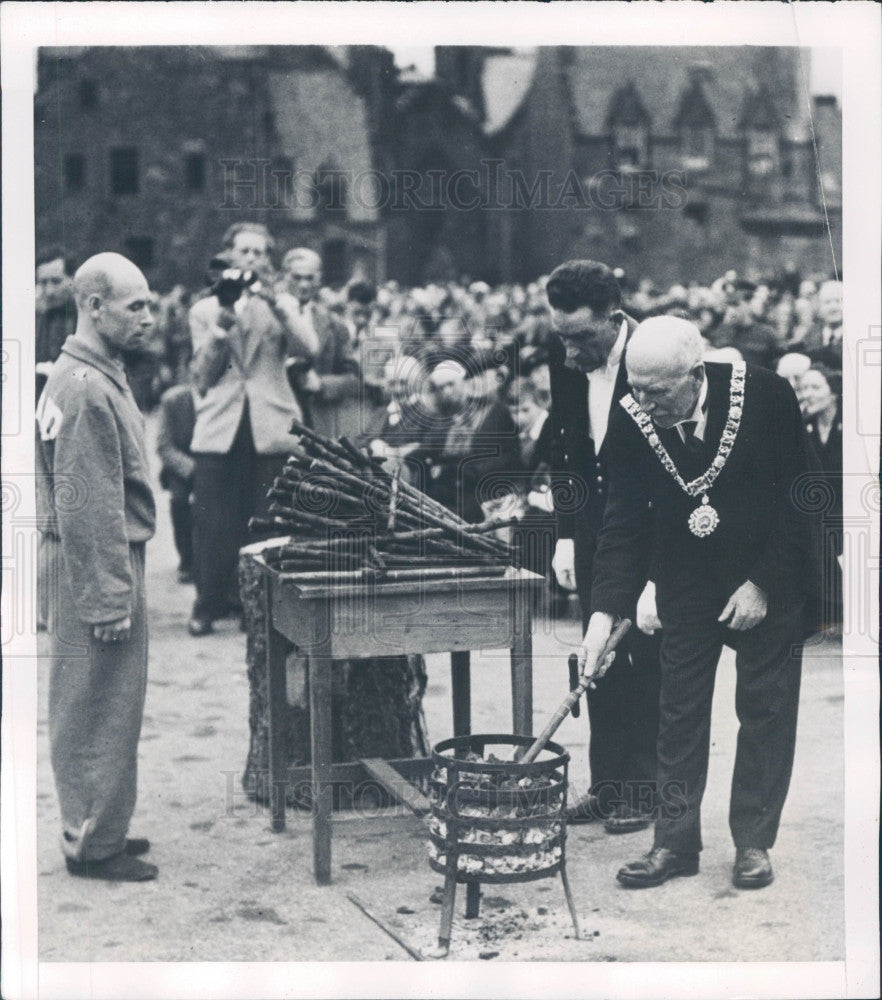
(320, 724)
(276, 697)
(473, 900)
(522, 663)
(461, 684)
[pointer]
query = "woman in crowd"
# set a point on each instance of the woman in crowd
(820, 394)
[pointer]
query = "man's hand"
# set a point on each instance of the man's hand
(599, 630)
(745, 608)
(118, 631)
(647, 616)
(309, 381)
(564, 563)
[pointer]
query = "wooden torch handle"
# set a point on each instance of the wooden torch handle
(574, 695)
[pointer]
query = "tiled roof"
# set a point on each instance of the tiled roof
(661, 77)
(626, 107)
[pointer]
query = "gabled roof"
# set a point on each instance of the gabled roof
(660, 75)
(759, 111)
(694, 110)
(626, 107)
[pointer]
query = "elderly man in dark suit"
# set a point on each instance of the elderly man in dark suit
(586, 312)
(823, 342)
(704, 459)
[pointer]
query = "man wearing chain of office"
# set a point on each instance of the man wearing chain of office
(705, 465)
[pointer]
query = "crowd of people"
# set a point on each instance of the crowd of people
(497, 403)
(416, 374)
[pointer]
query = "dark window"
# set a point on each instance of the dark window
(334, 268)
(124, 171)
(140, 251)
(74, 172)
(88, 95)
(194, 168)
(698, 211)
(331, 189)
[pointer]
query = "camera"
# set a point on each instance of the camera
(232, 282)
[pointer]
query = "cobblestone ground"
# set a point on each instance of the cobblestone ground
(230, 890)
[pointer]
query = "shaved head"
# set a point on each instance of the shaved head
(113, 304)
(105, 275)
(665, 369)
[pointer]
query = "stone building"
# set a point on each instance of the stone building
(154, 152)
(673, 163)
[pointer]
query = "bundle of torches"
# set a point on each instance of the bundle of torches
(540, 835)
(347, 520)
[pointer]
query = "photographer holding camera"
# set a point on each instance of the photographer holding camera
(244, 408)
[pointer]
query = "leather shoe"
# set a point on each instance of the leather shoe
(136, 846)
(625, 820)
(752, 869)
(657, 867)
(117, 868)
(198, 627)
(584, 810)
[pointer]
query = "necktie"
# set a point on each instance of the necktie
(689, 439)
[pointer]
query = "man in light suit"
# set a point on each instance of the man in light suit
(244, 409)
(330, 389)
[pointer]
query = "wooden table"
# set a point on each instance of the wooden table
(358, 621)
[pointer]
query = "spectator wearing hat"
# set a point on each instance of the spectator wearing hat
(404, 423)
(471, 447)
